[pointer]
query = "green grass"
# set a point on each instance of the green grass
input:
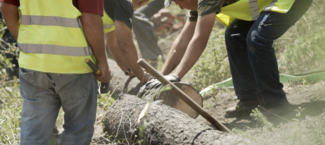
(10, 115)
(105, 101)
(213, 65)
(10, 100)
(301, 49)
(298, 131)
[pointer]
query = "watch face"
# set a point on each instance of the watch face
(127, 72)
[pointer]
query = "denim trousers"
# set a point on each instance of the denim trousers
(252, 59)
(44, 94)
(144, 30)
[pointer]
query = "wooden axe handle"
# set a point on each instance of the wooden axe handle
(104, 86)
(93, 66)
(183, 96)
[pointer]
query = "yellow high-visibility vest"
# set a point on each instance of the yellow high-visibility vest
(250, 10)
(108, 23)
(51, 37)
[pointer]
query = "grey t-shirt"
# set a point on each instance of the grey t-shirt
(121, 10)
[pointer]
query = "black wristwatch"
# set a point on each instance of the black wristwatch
(127, 72)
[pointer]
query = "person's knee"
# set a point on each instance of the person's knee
(250, 41)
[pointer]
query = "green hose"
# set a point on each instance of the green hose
(286, 79)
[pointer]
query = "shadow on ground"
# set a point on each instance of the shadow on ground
(313, 108)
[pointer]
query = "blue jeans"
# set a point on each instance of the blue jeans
(252, 58)
(144, 30)
(44, 94)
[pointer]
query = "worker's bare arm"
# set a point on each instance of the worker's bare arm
(11, 15)
(178, 48)
(197, 44)
(93, 29)
(111, 41)
(127, 47)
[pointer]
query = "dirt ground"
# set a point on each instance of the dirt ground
(310, 97)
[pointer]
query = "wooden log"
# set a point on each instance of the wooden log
(161, 125)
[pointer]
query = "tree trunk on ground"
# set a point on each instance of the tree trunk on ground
(161, 125)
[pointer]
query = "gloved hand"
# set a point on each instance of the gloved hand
(154, 83)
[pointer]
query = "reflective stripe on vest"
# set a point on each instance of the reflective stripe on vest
(108, 26)
(50, 21)
(254, 9)
(108, 23)
(55, 49)
(250, 10)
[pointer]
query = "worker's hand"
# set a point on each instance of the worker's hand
(105, 73)
(154, 83)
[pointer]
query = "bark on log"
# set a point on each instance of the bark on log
(161, 125)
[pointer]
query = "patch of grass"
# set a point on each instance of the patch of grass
(105, 101)
(213, 65)
(310, 130)
(10, 115)
(10, 100)
(142, 139)
(300, 49)
(160, 63)
(261, 119)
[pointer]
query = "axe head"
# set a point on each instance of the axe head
(171, 99)
(103, 88)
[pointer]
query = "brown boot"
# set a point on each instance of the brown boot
(243, 108)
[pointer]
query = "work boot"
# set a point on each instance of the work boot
(278, 109)
(243, 108)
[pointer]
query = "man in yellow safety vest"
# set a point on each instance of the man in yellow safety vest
(252, 27)
(54, 38)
